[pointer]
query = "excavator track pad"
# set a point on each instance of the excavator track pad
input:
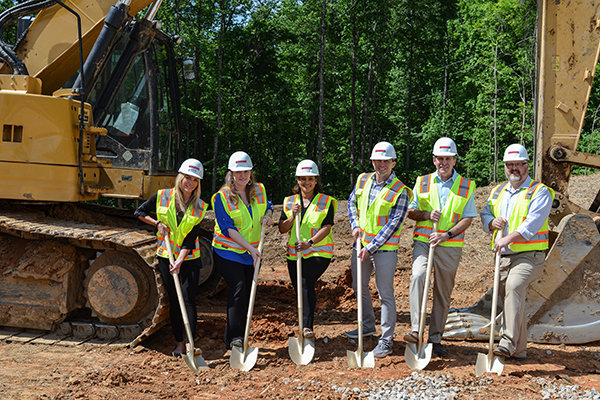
(78, 280)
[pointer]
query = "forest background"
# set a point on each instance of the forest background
(286, 80)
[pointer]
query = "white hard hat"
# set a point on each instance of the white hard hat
(515, 152)
(307, 168)
(240, 161)
(383, 151)
(192, 167)
(444, 147)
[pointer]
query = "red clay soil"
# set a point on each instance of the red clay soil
(93, 371)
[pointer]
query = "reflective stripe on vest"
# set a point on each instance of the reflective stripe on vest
(248, 226)
(428, 199)
(539, 241)
(372, 218)
(311, 223)
(167, 214)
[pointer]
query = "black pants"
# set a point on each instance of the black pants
(239, 281)
(312, 269)
(189, 274)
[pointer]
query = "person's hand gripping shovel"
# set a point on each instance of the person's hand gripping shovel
(358, 359)
(490, 362)
(245, 358)
(417, 355)
(195, 363)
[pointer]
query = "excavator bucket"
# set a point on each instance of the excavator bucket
(563, 305)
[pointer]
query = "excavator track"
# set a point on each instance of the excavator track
(108, 291)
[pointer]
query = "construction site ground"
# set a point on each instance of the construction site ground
(66, 370)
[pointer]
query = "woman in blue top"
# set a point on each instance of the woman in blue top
(241, 207)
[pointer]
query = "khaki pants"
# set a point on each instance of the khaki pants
(445, 265)
(517, 271)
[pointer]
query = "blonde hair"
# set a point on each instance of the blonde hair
(194, 199)
(250, 189)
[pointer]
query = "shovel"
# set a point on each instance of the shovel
(358, 359)
(245, 359)
(301, 349)
(195, 363)
(418, 355)
(490, 362)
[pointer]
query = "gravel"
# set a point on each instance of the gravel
(444, 387)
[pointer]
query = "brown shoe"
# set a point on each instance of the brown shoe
(412, 337)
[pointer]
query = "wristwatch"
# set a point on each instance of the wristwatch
(310, 241)
(449, 234)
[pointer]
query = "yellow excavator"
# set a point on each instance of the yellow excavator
(89, 107)
(563, 306)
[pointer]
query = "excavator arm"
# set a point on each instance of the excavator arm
(562, 306)
(50, 48)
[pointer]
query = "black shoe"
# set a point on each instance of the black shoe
(439, 350)
(175, 354)
(501, 351)
(237, 342)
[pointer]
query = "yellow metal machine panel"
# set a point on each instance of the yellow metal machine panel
(568, 42)
(51, 50)
(42, 182)
(48, 125)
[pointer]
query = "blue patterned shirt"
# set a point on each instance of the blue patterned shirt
(396, 217)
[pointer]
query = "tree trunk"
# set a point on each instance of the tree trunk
(409, 94)
(353, 101)
(496, 113)
(322, 86)
(219, 99)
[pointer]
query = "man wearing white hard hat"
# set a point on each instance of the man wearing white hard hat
(241, 207)
(177, 212)
(377, 209)
(316, 211)
(447, 198)
(520, 208)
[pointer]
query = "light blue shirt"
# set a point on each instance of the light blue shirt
(443, 188)
(539, 209)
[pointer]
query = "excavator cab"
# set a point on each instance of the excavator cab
(142, 120)
(70, 132)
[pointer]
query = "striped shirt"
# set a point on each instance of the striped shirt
(396, 217)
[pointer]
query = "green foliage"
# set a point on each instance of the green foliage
(417, 71)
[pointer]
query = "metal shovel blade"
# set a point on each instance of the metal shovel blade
(358, 359)
(415, 359)
(194, 363)
(301, 354)
(243, 361)
(488, 363)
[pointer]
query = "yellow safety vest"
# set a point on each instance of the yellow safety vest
(372, 219)
(539, 241)
(167, 214)
(249, 226)
(429, 199)
(311, 223)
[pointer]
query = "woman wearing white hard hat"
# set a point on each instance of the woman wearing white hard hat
(177, 212)
(241, 207)
(316, 241)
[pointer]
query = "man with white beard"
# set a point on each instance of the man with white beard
(519, 208)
